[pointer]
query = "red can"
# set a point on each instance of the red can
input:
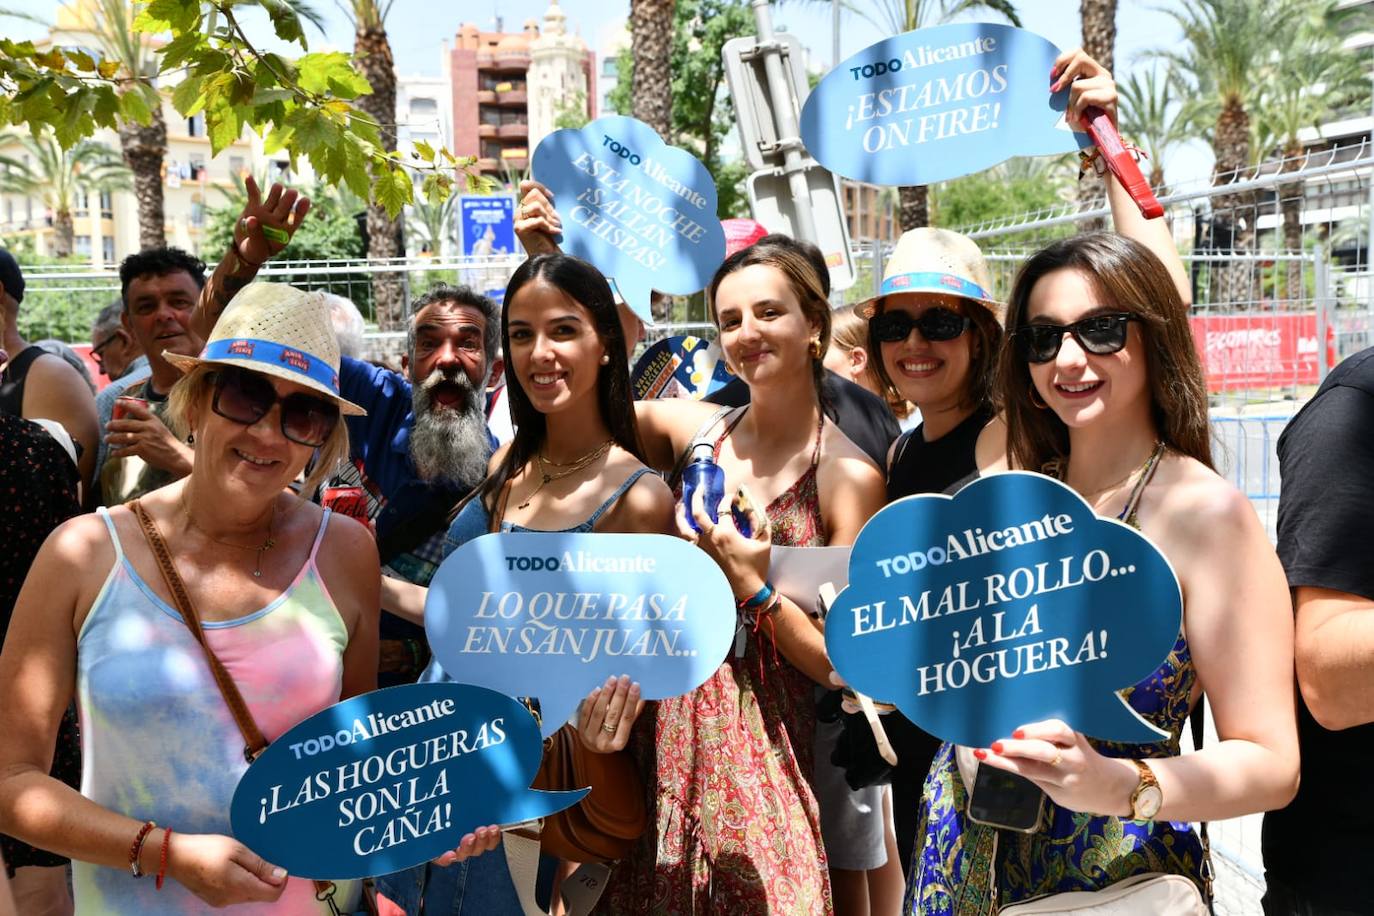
(349, 501)
(121, 406)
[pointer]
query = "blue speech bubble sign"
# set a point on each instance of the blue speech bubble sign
(640, 210)
(937, 103)
(390, 779)
(1011, 602)
(551, 616)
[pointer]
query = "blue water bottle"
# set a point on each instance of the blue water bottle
(703, 473)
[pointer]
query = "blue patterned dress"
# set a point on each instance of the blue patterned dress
(955, 859)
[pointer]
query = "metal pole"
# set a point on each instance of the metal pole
(1322, 276)
(834, 34)
(785, 119)
(1369, 236)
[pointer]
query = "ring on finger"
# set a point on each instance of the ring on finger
(608, 728)
(1058, 758)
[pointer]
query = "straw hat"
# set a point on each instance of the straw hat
(281, 331)
(936, 261)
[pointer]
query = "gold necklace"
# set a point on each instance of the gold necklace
(266, 545)
(572, 467)
(1154, 452)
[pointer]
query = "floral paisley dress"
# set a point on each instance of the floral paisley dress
(955, 861)
(734, 826)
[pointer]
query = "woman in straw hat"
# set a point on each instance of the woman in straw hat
(288, 599)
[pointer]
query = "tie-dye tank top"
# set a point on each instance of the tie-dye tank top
(158, 740)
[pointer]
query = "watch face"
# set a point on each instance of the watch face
(1147, 802)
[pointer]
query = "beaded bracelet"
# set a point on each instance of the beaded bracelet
(136, 848)
(162, 868)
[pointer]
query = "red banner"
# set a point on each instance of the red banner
(1259, 350)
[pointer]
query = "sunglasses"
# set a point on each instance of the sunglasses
(935, 324)
(100, 347)
(1099, 335)
(246, 397)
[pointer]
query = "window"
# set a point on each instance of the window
(236, 167)
(9, 211)
(83, 245)
(83, 202)
(107, 249)
(423, 108)
(195, 126)
(491, 149)
(106, 205)
(611, 68)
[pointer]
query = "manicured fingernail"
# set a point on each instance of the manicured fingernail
(278, 873)
(997, 747)
(1019, 734)
(980, 753)
(634, 685)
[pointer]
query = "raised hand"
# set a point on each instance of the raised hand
(536, 221)
(1090, 85)
(266, 225)
(605, 717)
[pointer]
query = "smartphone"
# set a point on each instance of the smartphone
(1005, 800)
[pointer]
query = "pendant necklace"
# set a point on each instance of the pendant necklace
(266, 545)
(567, 470)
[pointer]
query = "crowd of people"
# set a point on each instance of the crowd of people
(214, 551)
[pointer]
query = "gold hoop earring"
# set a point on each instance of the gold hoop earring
(815, 348)
(1035, 400)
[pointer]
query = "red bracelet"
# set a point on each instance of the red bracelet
(136, 848)
(162, 869)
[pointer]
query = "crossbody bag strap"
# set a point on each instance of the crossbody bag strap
(254, 742)
(1198, 721)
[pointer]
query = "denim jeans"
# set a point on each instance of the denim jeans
(477, 887)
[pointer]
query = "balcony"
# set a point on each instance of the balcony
(487, 131)
(508, 60)
(488, 164)
(512, 97)
(485, 96)
(509, 131)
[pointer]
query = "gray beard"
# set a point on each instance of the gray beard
(445, 442)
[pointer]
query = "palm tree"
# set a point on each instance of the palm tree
(1098, 21)
(897, 16)
(57, 177)
(1152, 116)
(651, 46)
(1227, 46)
(433, 223)
(372, 51)
(1312, 77)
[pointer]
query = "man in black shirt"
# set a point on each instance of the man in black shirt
(1317, 850)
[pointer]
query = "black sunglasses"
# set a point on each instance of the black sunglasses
(96, 350)
(934, 323)
(246, 397)
(1098, 334)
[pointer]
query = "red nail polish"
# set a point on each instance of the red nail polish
(1019, 734)
(980, 753)
(997, 747)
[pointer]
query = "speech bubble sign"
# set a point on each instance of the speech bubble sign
(1011, 602)
(640, 210)
(390, 779)
(937, 103)
(552, 615)
(680, 367)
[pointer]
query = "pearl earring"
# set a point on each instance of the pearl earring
(605, 359)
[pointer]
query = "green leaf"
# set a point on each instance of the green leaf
(355, 170)
(331, 72)
(311, 130)
(285, 22)
(187, 98)
(81, 60)
(424, 151)
(135, 107)
(106, 110)
(52, 59)
(392, 189)
(181, 49)
(108, 69)
(179, 15)
(223, 126)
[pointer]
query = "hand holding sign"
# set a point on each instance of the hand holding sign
(1008, 604)
(641, 211)
(937, 103)
(391, 779)
(552, 615)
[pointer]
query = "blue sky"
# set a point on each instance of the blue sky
(417, 29)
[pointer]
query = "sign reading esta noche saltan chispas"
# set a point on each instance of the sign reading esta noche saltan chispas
(643, 212)
(551, 616)
(1010, 603)
(390, 779)
(937, 103)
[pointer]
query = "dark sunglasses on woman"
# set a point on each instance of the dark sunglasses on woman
(1100, 335)
(934, 323)
(246, 397)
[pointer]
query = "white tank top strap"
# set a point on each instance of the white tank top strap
(319, 535)
(104, 514)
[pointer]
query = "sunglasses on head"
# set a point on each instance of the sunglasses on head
(934, 323)
(246, 397)
(1099, 334)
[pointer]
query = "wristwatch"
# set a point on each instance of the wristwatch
(1147, 797)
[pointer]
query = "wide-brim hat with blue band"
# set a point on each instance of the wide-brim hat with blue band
(930, 260)
(281, 331)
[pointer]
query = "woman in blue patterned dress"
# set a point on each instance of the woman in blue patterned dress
(1102, 388)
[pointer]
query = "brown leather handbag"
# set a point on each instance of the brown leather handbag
(605, 825)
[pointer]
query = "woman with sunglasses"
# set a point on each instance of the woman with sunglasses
(1103, 389)
(288, 599)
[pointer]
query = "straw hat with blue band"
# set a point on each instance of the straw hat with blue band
(281, 331)
(930, 260)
